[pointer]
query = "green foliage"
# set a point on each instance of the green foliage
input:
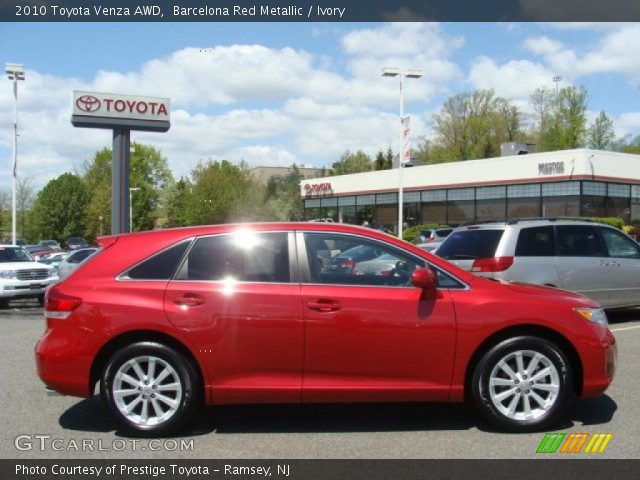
(149, 172)
(384, 160)
(628, 145)
(282, 197)
(562, 118)
(352, 163)
(59, 210)
(611, 221)
(601, 135)
(411, 234)
(470, 126)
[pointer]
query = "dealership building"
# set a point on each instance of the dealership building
(580, 182)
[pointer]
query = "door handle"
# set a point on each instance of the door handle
(189, 300)
(323, 305)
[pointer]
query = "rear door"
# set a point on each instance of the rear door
(582, 262)
(237, 299)
(624, 264)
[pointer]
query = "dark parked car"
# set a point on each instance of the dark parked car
(75, 243)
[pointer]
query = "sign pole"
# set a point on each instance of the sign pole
(120, 181)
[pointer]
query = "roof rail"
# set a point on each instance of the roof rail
(513, 221)
(481, 222)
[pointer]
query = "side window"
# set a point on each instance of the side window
(352, 260)
(80, 256)
(619, 245)
(243, 256)
(160, 266)
(578, 241)
(536, 242)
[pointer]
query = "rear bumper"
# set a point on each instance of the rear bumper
(63, 362)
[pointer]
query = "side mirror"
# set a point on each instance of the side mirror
(424, 278)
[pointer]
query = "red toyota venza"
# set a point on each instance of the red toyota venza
(166, 321)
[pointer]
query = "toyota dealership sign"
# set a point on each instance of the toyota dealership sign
(111, 110)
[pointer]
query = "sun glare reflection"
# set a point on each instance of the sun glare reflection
(229, 286)
(245, 239)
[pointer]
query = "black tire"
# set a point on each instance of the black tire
(481, 391)
(191, 397)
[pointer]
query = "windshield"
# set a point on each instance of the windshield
(13, 254)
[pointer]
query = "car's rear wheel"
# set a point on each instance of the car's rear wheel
(523, 384)
(150, 389)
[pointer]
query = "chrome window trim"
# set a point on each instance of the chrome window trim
(291, 246)
(124, 276)
(304, 263)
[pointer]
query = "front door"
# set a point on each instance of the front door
(235, 298)
(369, 334)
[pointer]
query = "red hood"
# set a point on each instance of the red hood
(531, 289)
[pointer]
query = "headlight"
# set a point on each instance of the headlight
(595, 315)
(8, 274)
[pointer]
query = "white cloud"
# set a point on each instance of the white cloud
(514, 79)
(542, 45)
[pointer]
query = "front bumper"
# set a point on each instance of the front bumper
(599, 364)
(20, 288)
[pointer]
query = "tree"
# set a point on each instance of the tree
(601, 135)
(563, 118)
(282, 197)
(473, 125)
(25, 196)
(628, 145)
(384, 160)
(178, 195)
(352, 163)
(222, 192)
(149, 172)
(59, 209)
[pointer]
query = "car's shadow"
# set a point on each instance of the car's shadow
(622, 316)
(90, 416)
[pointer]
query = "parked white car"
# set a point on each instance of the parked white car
(21, 277)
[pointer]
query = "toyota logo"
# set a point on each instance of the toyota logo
(88, 103)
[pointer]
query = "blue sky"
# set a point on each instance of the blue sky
(272, 94)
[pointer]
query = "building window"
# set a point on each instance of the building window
(461, 194)
(561, 206)
(594, 188)
(617, 190)
(328, 202)
(619, 207)
(345, 201)
(347, 214)
(412, 196)
(487, 193)
(523, 207)
(313, 203)
(366, 200)
(460, 211)
(386, 198)
(635, 191)
(434, 212)
(364, 214)
(434, 196)
(560, 188)
(493, 209)
(523, 191)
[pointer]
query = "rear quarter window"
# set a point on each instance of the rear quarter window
(470, 244)
(160, 266)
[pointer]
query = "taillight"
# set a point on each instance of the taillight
(59, 305)
(493, 264)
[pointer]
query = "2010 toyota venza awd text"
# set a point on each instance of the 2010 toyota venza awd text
(167, 321)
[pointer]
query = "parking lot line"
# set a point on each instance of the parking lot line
(625, 328)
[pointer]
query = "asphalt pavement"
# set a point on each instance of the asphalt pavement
(37, 426)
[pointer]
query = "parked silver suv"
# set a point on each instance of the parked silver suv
(590, 258)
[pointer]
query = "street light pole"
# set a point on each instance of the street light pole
(131, 189)
(14, 72)
(411, 73)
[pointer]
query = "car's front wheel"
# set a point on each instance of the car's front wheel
(150, 389)
(523, 384)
